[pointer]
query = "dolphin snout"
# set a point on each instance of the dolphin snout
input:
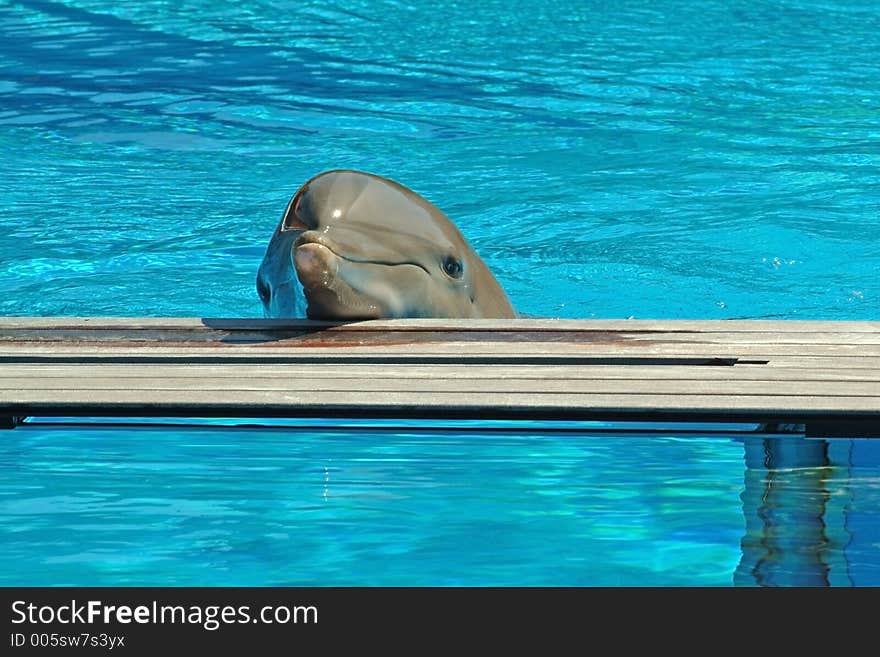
(316, 265)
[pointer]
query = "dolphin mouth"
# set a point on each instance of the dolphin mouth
(318, 239)
(339, 286)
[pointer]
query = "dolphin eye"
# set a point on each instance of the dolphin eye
(453, 267)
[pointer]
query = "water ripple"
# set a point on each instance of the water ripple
(611, 160)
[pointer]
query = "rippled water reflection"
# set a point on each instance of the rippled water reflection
(670, 159)
(242, 506)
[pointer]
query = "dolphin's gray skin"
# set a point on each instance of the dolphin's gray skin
(365, 247)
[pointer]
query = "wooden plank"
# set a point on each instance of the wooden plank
(831, 364)
(430, 386)
(461, 350)
(51, 329)
(443, 371)
(489, 401)
(828, 363)
(752, 370)
(111, 337)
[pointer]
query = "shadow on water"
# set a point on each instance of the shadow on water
(803, 521)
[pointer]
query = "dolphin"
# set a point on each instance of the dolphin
(354, 245)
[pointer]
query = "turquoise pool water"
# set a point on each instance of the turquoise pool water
(610, 159)
(319, 506)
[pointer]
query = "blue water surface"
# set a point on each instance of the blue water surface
(664, 159)
(608, 159)
(109, 505)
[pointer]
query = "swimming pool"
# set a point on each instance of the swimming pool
(103, 504)
(677, 160)
(611, 160)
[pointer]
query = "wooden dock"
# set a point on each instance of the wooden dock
(824, 375)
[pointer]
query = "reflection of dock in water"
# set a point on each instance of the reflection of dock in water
(784, 503)
(802, 520)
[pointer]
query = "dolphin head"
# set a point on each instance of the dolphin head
(365, 247)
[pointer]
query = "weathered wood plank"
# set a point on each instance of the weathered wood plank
(831, 364)
(238, 399)
(335, 338)
(429, 386)
(451, 371)
(751, 370)
(461, 350)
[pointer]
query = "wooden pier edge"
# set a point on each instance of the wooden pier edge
(824, 376)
